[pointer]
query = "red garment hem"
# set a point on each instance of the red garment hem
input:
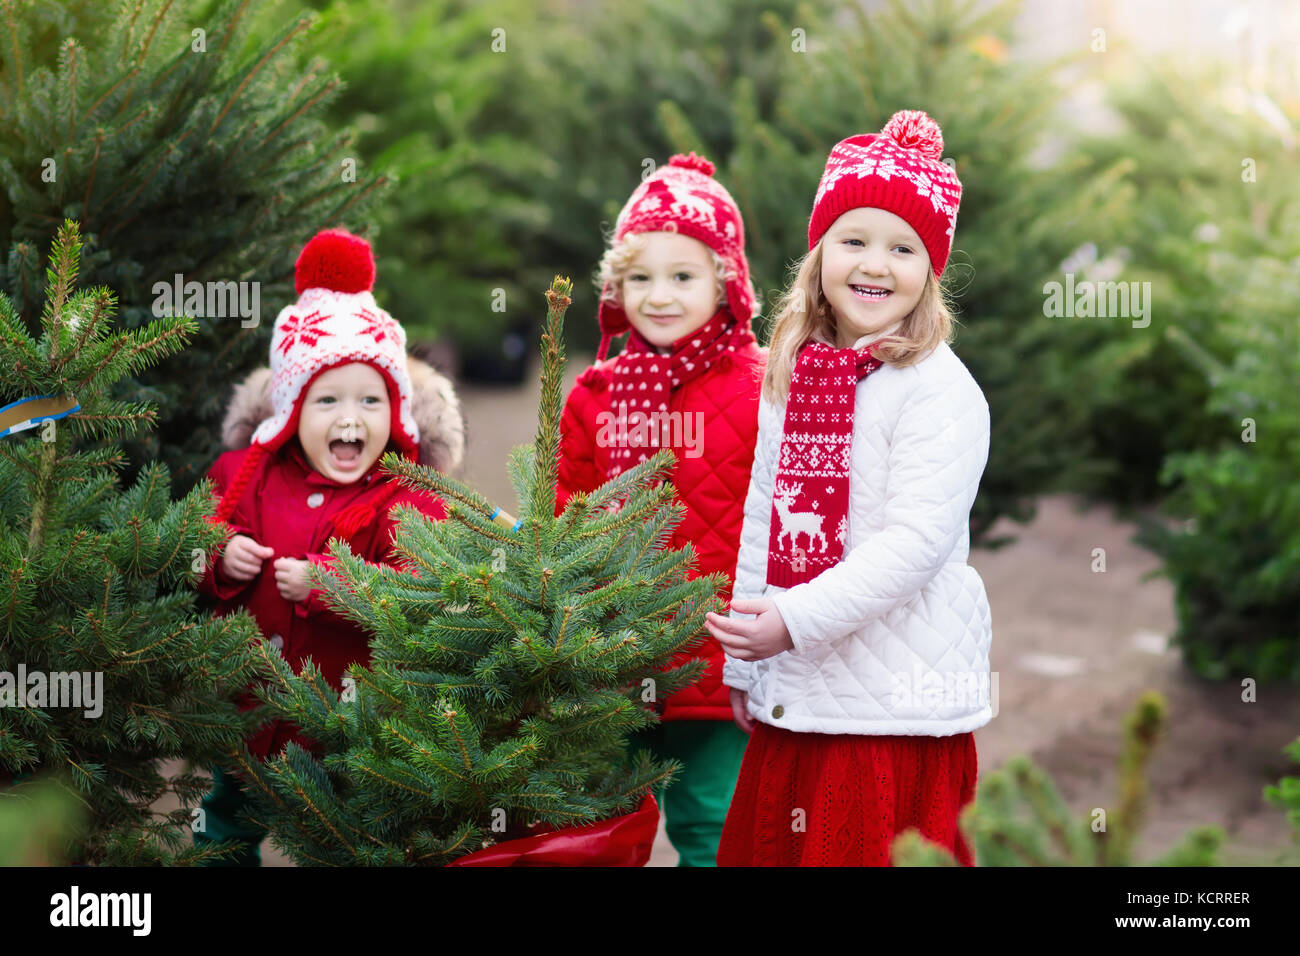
(807, 799)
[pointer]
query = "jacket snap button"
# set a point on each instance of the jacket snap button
(276, 641)
(315, 499)
(778, 712)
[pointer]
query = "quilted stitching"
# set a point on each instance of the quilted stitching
(903, 613)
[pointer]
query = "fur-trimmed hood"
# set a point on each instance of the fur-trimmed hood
(434, 406)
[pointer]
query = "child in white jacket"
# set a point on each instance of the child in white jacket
(857, 650)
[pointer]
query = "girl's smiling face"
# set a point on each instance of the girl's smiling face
(670, 289)
(870, 249)
(345, 421)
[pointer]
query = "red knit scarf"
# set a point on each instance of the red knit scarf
(810, 500)
(643, 381)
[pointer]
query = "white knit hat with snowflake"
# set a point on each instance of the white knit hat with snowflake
(335, 321)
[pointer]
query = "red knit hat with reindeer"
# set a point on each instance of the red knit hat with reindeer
(900, 170)
(684, 197)
(334, 322)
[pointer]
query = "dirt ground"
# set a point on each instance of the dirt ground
(1072, 650)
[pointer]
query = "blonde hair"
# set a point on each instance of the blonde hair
(928, 325)
(618, 259)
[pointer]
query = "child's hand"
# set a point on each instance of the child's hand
(754, 640)
(740, 710)
(291, 578)
(243, 557)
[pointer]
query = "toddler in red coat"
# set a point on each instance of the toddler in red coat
(340, 392)
(676, 279)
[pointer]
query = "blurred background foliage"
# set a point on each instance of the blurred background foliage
(510, 133)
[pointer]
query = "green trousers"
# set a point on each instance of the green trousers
(695, 804)
(222, 821)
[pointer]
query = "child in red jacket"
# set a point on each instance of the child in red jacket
(676, 278)
(340, 392)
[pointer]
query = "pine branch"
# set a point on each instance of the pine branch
(541, 505)
(302, 24)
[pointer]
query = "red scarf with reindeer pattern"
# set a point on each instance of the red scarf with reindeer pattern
(810, 500)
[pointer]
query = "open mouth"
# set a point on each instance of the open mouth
(346, 454)
(869, 293)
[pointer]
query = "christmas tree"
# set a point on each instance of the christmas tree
(510, 662)
(1286, 794)
(190, 149)
(1019, 818)
(107, 666)
(427, 86)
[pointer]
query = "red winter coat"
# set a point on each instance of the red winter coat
(277, 509)
(712, 486)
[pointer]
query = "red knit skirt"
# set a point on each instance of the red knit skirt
(840, 799)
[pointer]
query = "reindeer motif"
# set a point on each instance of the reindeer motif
(795, 523)
(684, 202)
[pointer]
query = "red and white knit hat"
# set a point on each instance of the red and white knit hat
(684, 197)
(334, 322)
(899, 170)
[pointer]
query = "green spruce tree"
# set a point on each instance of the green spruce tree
(184, 144)
(1019, 818)
(427, 86)
(119, 669)
(509, 666)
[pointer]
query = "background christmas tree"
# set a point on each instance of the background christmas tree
(97, 580)
(1201, 406)
(1019, 818)
(183, 144)
(429, 86)
(509, 666)
(1286, 794)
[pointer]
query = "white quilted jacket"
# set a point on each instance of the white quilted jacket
(895, 638)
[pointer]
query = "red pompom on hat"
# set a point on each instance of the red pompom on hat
(684, 197)
(337, 260)
(900, 170)
(692, 161)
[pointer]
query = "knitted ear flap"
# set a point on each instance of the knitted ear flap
(247, 469)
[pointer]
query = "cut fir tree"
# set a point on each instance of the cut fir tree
(509, 665)
(106, 666)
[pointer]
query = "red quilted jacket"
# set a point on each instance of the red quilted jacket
(712, 486)
(290, 507)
